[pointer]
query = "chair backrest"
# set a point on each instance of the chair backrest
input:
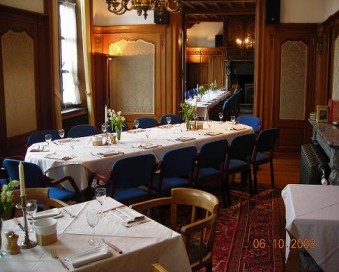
(32, 172)
(39, 136)
(175, 119)
(82, 131)
(193, 213)
(41, 195)
(267, 139)
(242, 147)
(147, 122)
(178, 162)
(250, 120)
(133, 171)
(213, 154)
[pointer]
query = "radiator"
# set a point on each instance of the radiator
(313, 160)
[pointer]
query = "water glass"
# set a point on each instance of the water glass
(61, 133)
(233, 120)
(92, 217)
(31, 208)
(147, 133)
(168, 119)
(48, 139)
(221, 115)
(100, 196)
(136, 123)
(104, 127)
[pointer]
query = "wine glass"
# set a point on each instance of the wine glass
(147, 133)
(221, 115)
(48, 139)
(168, 119)
(209, 123)
(92, 220)
(61, 133)
(136, 123)
(233, 120)
(100, 195)
(31, 208)
(104, 127)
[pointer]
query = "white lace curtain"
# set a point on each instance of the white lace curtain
(70, 83)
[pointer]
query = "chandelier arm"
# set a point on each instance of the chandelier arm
(177, 9)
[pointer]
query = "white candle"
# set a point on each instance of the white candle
(22, 179)
(197, 87)
(106, 114)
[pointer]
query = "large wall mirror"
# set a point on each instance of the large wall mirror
(131, 68)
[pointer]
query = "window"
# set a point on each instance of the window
(68, 54)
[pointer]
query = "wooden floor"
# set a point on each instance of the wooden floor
(286, 170)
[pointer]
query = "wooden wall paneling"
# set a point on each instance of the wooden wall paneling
(37, 27)
(333, 23)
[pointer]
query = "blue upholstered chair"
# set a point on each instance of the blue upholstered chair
(263, 152)
(211, 165)
(250, 120)
(147, 122)
(175, 119)
(238, 160)
(176, 170)
(82, 131)
(34, 178)
(39, 136)
(130, 179)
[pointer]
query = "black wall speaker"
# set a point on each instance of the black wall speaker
(218, 40)
(272, 11)
(161, 18)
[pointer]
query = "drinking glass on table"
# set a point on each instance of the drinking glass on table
(61, 133)
(136, 123)
(92, 217)
(147, 133)
(168, 119)
(209, 123)
(233, 120)
(100, 195)
(48, 139)
(31, 208)
(221, 115)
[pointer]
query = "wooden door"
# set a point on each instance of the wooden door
(293, 93)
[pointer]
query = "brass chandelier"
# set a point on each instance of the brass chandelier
(248, 42)
(119, 7)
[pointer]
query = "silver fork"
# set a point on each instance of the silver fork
(69, 213)
(55, 256)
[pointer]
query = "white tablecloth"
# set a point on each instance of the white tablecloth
(208, 101)
(85, 158)
(142, 244)
(312, 212)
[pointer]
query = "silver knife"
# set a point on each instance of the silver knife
(114, 247)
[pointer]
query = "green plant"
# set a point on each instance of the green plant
(6, 197)
(201, 90)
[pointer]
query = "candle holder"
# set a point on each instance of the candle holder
(27, 243)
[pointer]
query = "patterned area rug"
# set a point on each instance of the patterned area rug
(248, 233)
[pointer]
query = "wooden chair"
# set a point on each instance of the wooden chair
(42, 197)
(156, 267)
(193, 213)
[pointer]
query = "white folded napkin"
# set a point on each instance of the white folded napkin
(110, 153)
(89, 256)
(48, 213)
(213, 133)
(62, 157)
(135, 130)
(149, 146)
(127, 215)
(239, 127)
(185, 139)
(166, 126)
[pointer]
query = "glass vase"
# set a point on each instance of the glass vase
(188, 124)
(118, 131)
(2, 253)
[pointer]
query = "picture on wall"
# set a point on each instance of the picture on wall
(322, 114)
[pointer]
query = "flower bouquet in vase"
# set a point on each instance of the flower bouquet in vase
(117, 122)
(188, 113)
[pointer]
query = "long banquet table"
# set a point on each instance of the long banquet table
(208, 101)
(312, 219)
(141, 244)
(79, 158)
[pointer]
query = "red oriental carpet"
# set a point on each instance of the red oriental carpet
(248, 232)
